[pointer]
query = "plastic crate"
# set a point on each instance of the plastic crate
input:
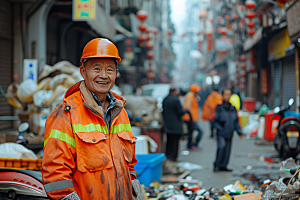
(149, 167)
(24, 163)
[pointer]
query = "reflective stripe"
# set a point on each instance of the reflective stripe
(79, 128)
(133, 173)
(58, 185)
(62, 137)
(120, 128)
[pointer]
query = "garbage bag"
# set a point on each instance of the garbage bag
(12, 97)
(37, 120)
(62, 67)
(287, 164)
(14, 150)
(26, 91)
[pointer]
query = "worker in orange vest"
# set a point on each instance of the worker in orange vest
(191, 104)
(89, 148)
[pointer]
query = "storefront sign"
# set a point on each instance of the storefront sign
(30, 70)
(84, 10)
(264, 81)
(223, 45)
(280, 46)
(293, 20)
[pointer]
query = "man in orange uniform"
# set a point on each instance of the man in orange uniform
(89, 148)
(209, 108)
(191, 104)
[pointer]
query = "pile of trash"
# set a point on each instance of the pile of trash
(35, 101)
(186, 190)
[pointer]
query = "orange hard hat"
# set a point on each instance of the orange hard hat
(100, 48)
(195, 88)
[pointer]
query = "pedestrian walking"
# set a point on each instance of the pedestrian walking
(209, 108)
(172, 113)
(191, 104)
(89, 148)
(226, 122)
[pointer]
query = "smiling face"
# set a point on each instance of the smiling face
(99, 75)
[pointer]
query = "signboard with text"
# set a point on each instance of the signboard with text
(84, 10)
(30, 69)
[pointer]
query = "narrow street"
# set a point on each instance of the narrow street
(205, 155)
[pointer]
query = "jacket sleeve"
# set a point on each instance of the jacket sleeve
(59, 154)
(237, 126)
(179, 109)
(216, 122)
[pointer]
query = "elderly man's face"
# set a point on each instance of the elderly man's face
(99, 74)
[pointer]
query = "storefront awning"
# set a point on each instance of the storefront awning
(104, 24)
(250, 42)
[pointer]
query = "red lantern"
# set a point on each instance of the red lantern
(150, 55)
(224, 10)
(253, 60)
(149, 45)
(212, 20)
(242, 86)
(142, 15)
(243, 66)
(203, 19)
(214, 29)
(251, 24)
(220, 19)
(253, 69)
(242, 21)
(241, 25)
(242, 8)
(209, 34)
(251, 32)
(142, 27)
(242, 80)
(227, 26)
(148, 30)
(141, 38)
(155, 30)
(170, 31)
(250, 15)
(232, 26)
(242, 57)
(148, 37)
(237, 70)
(227, 17)
(236, 16)
(243, 74)
(258, 13)
(236, 76)
(223, 31)
(236, 64)
(151, 75)
(250, 4)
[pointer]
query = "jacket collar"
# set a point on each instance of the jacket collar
(91, 102)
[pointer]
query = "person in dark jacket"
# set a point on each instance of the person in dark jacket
(172, 113)
(226, 122)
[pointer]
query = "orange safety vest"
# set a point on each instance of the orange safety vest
(81, 154)
(194, 109)
(210, 105)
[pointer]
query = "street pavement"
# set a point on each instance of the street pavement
(240, 159)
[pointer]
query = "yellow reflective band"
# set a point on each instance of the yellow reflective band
(62, 137)
(120, 128)
(79, 128)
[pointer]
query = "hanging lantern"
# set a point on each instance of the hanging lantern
(212, 20)
(209, 34)
(242, 8)
(148, 37)
(242, 57)
(250, 4)
(227, 17)
(155, 31)
(253, 69)
(214, 29)
(253, 60)
(236, 16)
(148, 29)
(242, 86)
(170, 31)
(151, 75)
(149, 45)
(220, 19)
(142, 27)
(150, 55)
(241, 25)
(237, 70)
(251, 24)
(236, 64)
(142, 15)
(251, 32)
(141, 38)
(243, 66)
(203, 19)
(243, 74)
(242, 21)
(223, 31)
(232, 26)
(236, 76)
(227, 26)
(224, 10)
(242, 80)
(250, 14)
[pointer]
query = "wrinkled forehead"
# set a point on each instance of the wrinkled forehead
(101, 61)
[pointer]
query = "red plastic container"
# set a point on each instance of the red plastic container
(271, 125)
(249, 104)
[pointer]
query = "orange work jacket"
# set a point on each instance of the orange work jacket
(81, 154)
(191, 104)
